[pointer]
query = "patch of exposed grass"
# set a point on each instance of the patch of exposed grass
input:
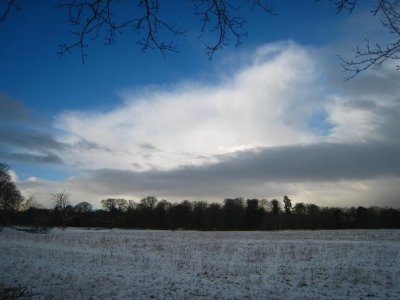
(15, 292)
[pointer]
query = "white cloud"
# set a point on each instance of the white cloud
(366, 108)
(267, 103)
(238, 136)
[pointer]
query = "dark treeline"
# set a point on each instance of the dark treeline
(232, 214)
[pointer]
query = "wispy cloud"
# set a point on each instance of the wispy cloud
(23, 137)
(26, 138)
(48, 158)
(32, 139)
(12, 110)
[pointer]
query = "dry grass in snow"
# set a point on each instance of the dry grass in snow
(134, 264)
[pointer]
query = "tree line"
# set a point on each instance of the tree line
(151, 213)
(232, 214)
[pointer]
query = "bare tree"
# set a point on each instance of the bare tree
(83, 207)
(122, 204)
(61, 202)
(149, 202)
(109, 204)
(114, 205)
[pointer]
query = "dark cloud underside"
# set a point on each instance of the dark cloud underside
(32, 158)
(29, 139)
(318, 163)
(12, 110)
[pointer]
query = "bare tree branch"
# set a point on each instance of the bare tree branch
(348, 5)
(373, 56)
(89, 19)
(265, 6)
(11, 4)
(222, 19)
(218, 16)
(152, 25)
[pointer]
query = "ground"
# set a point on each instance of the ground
(146, 264)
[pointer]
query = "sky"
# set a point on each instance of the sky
(272, 117)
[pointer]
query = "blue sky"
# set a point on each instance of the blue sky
(130, 124)
(35, 74)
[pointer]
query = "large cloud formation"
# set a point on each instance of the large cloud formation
(266, 103)
(276, 125)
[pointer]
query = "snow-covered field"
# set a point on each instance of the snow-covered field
(134, 264)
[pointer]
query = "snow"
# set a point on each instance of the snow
(146, 264)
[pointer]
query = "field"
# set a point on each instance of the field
(135, 264)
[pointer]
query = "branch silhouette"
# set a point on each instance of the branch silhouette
(221, 19)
